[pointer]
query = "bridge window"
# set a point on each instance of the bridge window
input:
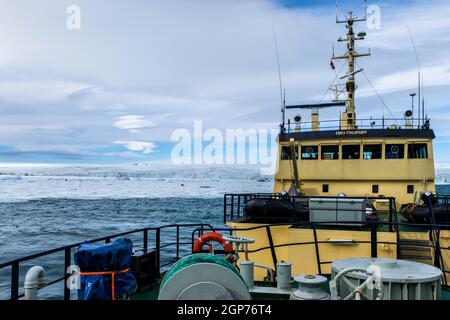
(375, 188)
(395, 151)
(417, 151)
(310, 152)
(410, 188)
(372, 151)
(351, 151)
(325, 188)
(286, 153)
(330, 152)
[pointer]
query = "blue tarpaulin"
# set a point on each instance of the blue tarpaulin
(99, 264)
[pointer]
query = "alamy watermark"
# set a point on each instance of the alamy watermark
(231, 146)
(73, 281)
(373, 14)
(73, 21)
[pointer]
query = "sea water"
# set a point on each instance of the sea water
(45, 208)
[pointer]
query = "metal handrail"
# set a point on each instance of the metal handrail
(200, 229)
(364, 123)
(435, 239)
(232, 208)
(15, 263)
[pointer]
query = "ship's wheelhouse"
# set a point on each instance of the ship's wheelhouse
(374, 162)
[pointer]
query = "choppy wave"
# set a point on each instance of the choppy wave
(44, 187)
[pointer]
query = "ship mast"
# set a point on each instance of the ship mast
(348, 118)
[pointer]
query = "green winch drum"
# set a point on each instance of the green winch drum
(198, 258)
(203, 276)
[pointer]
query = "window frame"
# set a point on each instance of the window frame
(416, 144)
(387, 145)
(338, 153)
(309, 146)
(376, 188)
(289, 157)
(351, 145)
(373, 144)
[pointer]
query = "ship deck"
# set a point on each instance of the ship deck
(169, 243)
(152, 292)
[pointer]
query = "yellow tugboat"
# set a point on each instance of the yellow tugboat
(349, 171)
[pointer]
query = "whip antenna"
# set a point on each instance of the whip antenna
(282, 103)
(418, 69)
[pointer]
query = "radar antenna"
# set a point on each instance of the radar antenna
(348, 118)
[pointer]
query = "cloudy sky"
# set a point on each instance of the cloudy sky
(114, 90)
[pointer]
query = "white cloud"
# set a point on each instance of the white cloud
(37, 91)
(428, 22)
(123, 155)
(440, 165)
(145, 147)
(438, 75)
(130, 122)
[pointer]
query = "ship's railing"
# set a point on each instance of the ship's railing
(234, 205)
(170, 243)
(374, 226)
(182, 237)
(435, 232)
(361, 124)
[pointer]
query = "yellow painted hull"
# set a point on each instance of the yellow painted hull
(333, 245)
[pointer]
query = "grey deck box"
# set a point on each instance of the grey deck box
(337, 211)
